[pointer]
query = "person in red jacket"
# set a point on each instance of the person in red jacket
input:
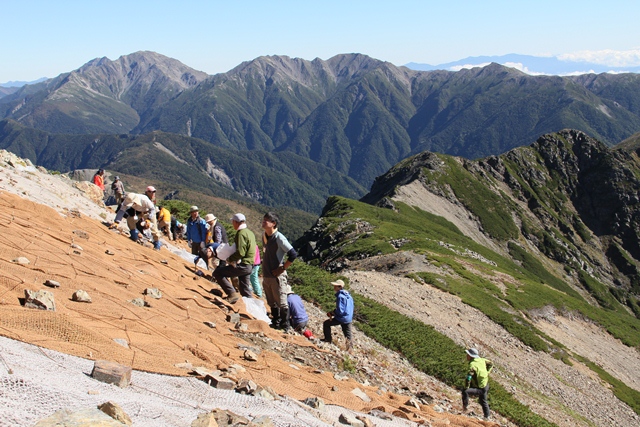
(98, 179)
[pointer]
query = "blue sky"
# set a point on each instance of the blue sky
(44, 38)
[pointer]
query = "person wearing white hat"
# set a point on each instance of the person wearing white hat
(342, 315)
(240, 263)
(196, 231)
(477, 381)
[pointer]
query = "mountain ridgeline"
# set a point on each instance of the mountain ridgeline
(566, 208)
(352, 114)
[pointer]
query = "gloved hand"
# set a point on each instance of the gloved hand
(278, 271)
(113, 225)
(201, 245)
(329, 314)
(189, 243)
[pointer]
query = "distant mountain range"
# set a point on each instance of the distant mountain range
(353, 116)
(535, 65)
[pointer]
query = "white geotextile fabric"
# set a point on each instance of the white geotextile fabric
(44, 381)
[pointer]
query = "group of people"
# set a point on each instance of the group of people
(208, 241)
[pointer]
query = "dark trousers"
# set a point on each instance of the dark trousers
(326, 329)
(482, 398)
(241, 271)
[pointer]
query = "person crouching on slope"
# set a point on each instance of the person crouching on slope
(342, 315)
(135, 205)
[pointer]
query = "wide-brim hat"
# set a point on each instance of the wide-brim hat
(473, 353)
(209, 217)
(193, 209)
(338, 282)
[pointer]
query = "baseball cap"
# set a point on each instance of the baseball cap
(239, 218)
(151, 189)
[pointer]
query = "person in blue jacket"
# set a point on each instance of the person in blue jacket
(342, 315)
(196, 231)
(298, 317)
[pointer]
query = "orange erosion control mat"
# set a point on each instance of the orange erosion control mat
(80, 253)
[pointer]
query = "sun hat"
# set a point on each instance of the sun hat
(117, 178)
(238, 218)
(151, 189)
(193, 209)
(338, 283)
(473, 353)
(209, 217)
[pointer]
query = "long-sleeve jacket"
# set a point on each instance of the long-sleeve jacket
(197, 230)
(245, 247)
(138, 202)
(344, 307)
(297, 313)
(276, 247)
(99, 181)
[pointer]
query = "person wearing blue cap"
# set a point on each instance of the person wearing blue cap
(477, 381)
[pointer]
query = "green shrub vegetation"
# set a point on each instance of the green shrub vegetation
(431, 352)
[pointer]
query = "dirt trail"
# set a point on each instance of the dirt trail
(547, 385)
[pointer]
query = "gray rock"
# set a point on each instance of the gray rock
(361, 394)
(122, 342)
(219, 382)
(52, 284)
(140, 302)
(81, 296)
(42, 300)
(153, 293)
(315, 403)
(350, 420)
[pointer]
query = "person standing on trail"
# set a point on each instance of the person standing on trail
(98, 179)
(196, 231)
(275, 281)
(118, 191)
(342, 315)
(477, 381)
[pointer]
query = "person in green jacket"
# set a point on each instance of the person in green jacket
(240, 263)
(477, 381)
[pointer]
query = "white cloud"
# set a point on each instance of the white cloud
(614, 58)
(467, 66)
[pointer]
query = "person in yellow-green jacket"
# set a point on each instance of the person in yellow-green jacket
(477, 381)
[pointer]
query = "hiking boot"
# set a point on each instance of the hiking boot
(233, 297)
